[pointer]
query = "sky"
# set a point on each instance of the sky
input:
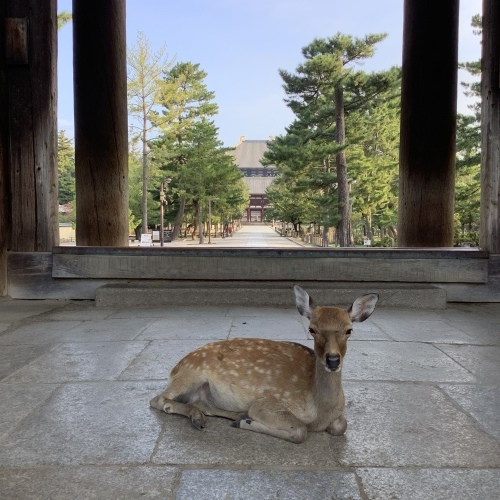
(241, 44)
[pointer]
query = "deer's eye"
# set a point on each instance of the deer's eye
(311, 331)
(348, 332)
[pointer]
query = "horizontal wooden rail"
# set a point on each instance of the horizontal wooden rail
(353, 265)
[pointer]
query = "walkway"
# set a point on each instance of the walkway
(422, 389)
(248, 236)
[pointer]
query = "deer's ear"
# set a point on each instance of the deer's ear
(363, 307)
(304, 303)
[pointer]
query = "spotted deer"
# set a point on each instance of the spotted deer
(284, 389)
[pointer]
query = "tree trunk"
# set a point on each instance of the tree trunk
(198, 221)
(368, 225)
(344, 228)
(144, 226)
(324, 237)
(178, 218)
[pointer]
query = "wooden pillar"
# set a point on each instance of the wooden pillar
(101, 142)
(428, 123)
(31, 58)
(490, 128)
(5, 218)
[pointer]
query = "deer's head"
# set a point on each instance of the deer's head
(331, 327)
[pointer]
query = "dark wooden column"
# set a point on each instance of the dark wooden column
(428, 123)
(490, 126)
(4, 158)
(31, 58)
(101, 142)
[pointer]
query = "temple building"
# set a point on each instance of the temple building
(248, 156)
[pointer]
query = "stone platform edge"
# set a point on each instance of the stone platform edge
(157, 294)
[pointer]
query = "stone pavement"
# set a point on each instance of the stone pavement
(248, 236)
(422, 390)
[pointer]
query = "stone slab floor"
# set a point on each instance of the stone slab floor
(422, 390)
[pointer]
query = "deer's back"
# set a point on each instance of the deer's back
(239, 371)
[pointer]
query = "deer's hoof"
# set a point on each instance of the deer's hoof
(155, 403)
(237, 423)
(197, 419)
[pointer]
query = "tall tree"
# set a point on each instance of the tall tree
(145, 71)
(206, 172)
(468, 161)
(304, 160)
(186, 103)
(373, 152)
(318, 87)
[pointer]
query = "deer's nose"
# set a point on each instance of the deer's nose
(332, 361)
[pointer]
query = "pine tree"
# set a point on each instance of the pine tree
(468, 161)
(317, 95)
(186, 104)
(373, 153)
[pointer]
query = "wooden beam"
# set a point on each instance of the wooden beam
(177, 264)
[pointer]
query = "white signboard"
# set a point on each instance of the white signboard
(146, 240)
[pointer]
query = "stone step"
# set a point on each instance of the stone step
(150, 293)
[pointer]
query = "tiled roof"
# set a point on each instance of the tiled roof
(249, 153)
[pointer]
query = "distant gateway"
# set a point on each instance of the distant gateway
(257, 177)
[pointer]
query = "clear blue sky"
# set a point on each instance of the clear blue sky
(241, 44)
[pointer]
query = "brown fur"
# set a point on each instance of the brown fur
(279, 388)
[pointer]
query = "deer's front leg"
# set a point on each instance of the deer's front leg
(338, 426)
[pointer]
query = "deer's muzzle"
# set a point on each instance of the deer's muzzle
(332, 362)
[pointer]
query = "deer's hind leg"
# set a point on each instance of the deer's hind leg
(180, 397)
(194, 403)
(271, 418)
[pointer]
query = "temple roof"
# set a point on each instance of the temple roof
(249, 153)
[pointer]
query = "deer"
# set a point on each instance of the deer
(280, 388)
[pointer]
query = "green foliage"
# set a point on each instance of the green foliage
(185, 100)
(373, 157)
(468, 159)
(133, 223)
(189, 152)
(200, 168)
(313, 185)
(135, 188)
(66, 168)
(145, 71)
(63, 18)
